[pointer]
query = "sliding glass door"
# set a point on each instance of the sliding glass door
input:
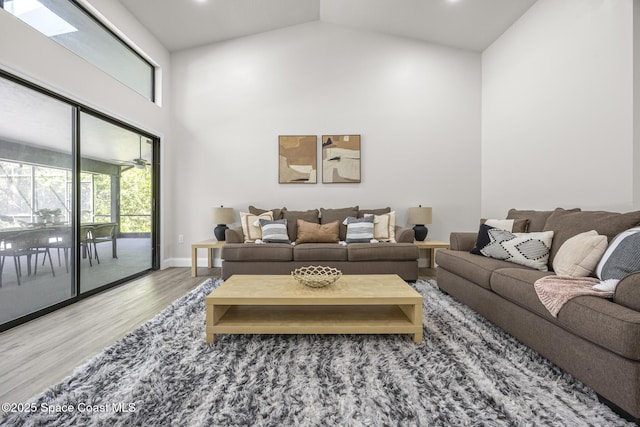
(77, 194)
(36, 142)
(115, 203)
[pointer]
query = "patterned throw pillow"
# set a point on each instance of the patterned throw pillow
(621, 258)
(251, 227)
(274, 231)
(359, 230)
(528, 249)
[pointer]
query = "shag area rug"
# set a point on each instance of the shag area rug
(466, 372)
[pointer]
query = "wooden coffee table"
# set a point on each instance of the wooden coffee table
(355, 304)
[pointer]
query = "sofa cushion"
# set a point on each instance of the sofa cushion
(512, 225)
(309, 232)
(536, 219)
(331, 215)
(292, 218)
(628, 292)
(382, 252)
(257, 252)
(359, 230)
(567, 224)
(579, 255)
(316, 252)
(277, 213)
(475, 268)
(595, 319)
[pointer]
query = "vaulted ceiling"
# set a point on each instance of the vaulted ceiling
(465, 24)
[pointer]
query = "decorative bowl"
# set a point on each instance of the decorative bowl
(316, 276)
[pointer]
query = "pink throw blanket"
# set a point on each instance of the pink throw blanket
(555, 291)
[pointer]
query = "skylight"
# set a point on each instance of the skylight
(39, 17)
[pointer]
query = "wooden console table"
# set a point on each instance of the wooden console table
(210, 245)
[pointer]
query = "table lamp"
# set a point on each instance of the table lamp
(221, 216)
(420, 216)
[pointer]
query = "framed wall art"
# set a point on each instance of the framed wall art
(340, 158)
(298, 159)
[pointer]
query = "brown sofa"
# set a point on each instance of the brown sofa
(399, 258)
(596, 340)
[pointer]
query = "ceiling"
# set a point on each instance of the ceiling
(465, 24)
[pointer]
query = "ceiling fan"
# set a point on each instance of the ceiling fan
(139, 162)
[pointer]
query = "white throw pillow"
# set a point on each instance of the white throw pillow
(251, 226)
(579, 255)
(384, 227)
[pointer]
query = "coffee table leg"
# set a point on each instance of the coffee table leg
(417, 321)
(210, 336)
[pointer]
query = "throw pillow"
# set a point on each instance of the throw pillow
(274, 231)
(251, 226)
(528, 249)
(621, 258)
(384, 227)
(292, 218)
(310, 232)
(359, 230)
(579, 255)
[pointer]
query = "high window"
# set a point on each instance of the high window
(70, 25)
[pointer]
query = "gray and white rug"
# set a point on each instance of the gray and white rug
(466, 372)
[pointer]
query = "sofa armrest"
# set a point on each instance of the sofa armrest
(234, 235)
(628, 292)
(405, 235)
(462, 241)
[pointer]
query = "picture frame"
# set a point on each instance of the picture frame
(341, 159)
(298, 159)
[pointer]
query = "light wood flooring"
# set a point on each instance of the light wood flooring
(38, 354)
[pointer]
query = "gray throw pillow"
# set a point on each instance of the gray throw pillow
(274, 231)
(359, 230)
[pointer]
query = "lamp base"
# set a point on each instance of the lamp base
(219, 232)
(421, 232)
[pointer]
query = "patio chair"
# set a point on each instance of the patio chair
(102, 233)
(28, 243)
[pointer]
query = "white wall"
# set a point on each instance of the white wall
(557, 109)
(416, 106)
(29, 54)
(636, 104)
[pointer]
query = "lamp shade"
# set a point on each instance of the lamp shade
(222, 215)
(419, 215)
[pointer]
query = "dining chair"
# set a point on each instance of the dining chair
(102, 233)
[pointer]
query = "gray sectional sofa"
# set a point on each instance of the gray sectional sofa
(597, 340)
(399, 258)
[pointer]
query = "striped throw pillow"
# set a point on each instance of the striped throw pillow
(359, 230)
(621, 258)
(274, 231)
